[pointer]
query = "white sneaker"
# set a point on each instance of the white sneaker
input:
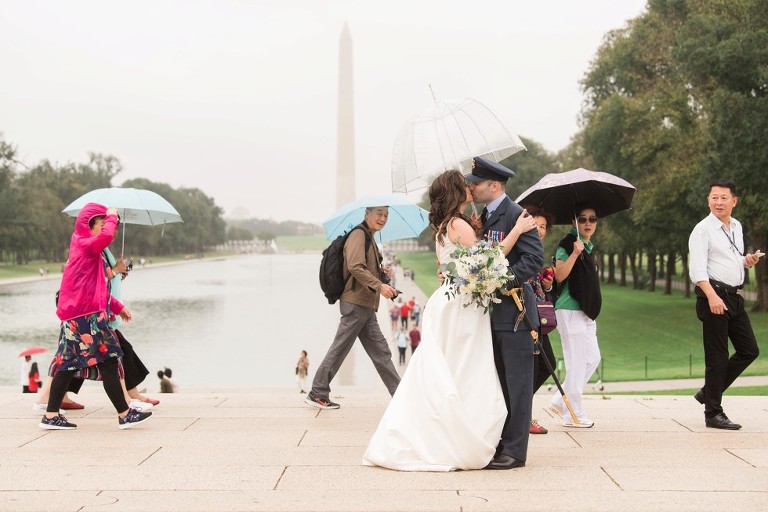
(581, 424)
(138, 405)
(555, 409)
(38, 407)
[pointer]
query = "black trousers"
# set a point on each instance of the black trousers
(135, 371)
(513, 355)
(110, 381)
(540, 370)
(721, 370)
(402, 354)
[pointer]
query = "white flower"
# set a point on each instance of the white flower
(477, 273)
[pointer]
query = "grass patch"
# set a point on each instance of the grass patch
(28, 269)
(424, 264)
(32, 269)
(642, 335)
(735, 391)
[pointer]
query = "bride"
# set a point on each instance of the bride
(449, 409)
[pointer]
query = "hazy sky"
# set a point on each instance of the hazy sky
(238, 98)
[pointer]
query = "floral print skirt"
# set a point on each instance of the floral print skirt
(84, 342)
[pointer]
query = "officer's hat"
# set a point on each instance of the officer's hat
(483, 170)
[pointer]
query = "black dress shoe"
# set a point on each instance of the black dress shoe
(505, 462)
(721, 421)
(699, 396)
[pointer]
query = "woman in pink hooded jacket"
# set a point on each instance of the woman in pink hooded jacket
(85, 307)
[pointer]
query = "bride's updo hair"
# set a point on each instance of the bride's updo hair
(446, 195)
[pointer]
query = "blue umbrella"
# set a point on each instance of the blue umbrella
(135, 206)
(406, 219)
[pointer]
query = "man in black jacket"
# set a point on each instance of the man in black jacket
(513, 349)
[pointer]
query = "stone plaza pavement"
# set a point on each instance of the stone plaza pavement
(266, 450)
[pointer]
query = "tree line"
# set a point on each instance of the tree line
(32, 226)
(674, 100)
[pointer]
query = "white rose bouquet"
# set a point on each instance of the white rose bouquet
(477, 273)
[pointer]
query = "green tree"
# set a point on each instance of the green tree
(236, 233)
(723, 48)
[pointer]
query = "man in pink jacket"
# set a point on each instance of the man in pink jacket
(85, 307)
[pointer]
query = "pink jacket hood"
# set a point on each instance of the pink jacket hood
(84, 285)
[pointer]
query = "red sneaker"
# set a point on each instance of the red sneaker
(537, 428)
(68, 406)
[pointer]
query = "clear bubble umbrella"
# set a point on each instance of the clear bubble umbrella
(447, 136)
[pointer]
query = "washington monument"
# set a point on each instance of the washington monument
(345, 136)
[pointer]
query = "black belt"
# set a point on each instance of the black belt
(724, 288)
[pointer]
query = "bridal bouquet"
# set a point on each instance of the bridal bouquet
(477, 273)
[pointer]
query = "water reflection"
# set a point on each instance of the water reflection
(236, 322)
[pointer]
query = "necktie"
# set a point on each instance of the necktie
(484, 215)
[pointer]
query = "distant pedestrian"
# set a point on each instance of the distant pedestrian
(26, 364)
(401, 337)
(415, 312)
(302, 367)
(165, 384)
(169, 374)
(405, 313)
(394, 315)
(34, 378)
(415, 336)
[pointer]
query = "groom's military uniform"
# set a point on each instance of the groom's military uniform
(512, 340)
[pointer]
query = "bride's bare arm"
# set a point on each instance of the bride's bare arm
(460, 232)
(523, 224)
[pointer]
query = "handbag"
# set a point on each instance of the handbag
(297, 370)
(547, 318)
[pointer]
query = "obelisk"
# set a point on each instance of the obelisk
(345, 136)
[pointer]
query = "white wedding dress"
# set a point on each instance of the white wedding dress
(449, 410)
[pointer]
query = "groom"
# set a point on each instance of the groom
(512, 349)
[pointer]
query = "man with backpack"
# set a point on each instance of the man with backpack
(364, 280)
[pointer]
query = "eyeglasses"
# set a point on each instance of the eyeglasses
(582, 219)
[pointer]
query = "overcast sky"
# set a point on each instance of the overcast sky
(238, 98)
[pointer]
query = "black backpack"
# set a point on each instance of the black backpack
(332, 280)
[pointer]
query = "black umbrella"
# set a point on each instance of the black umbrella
(558, 193)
